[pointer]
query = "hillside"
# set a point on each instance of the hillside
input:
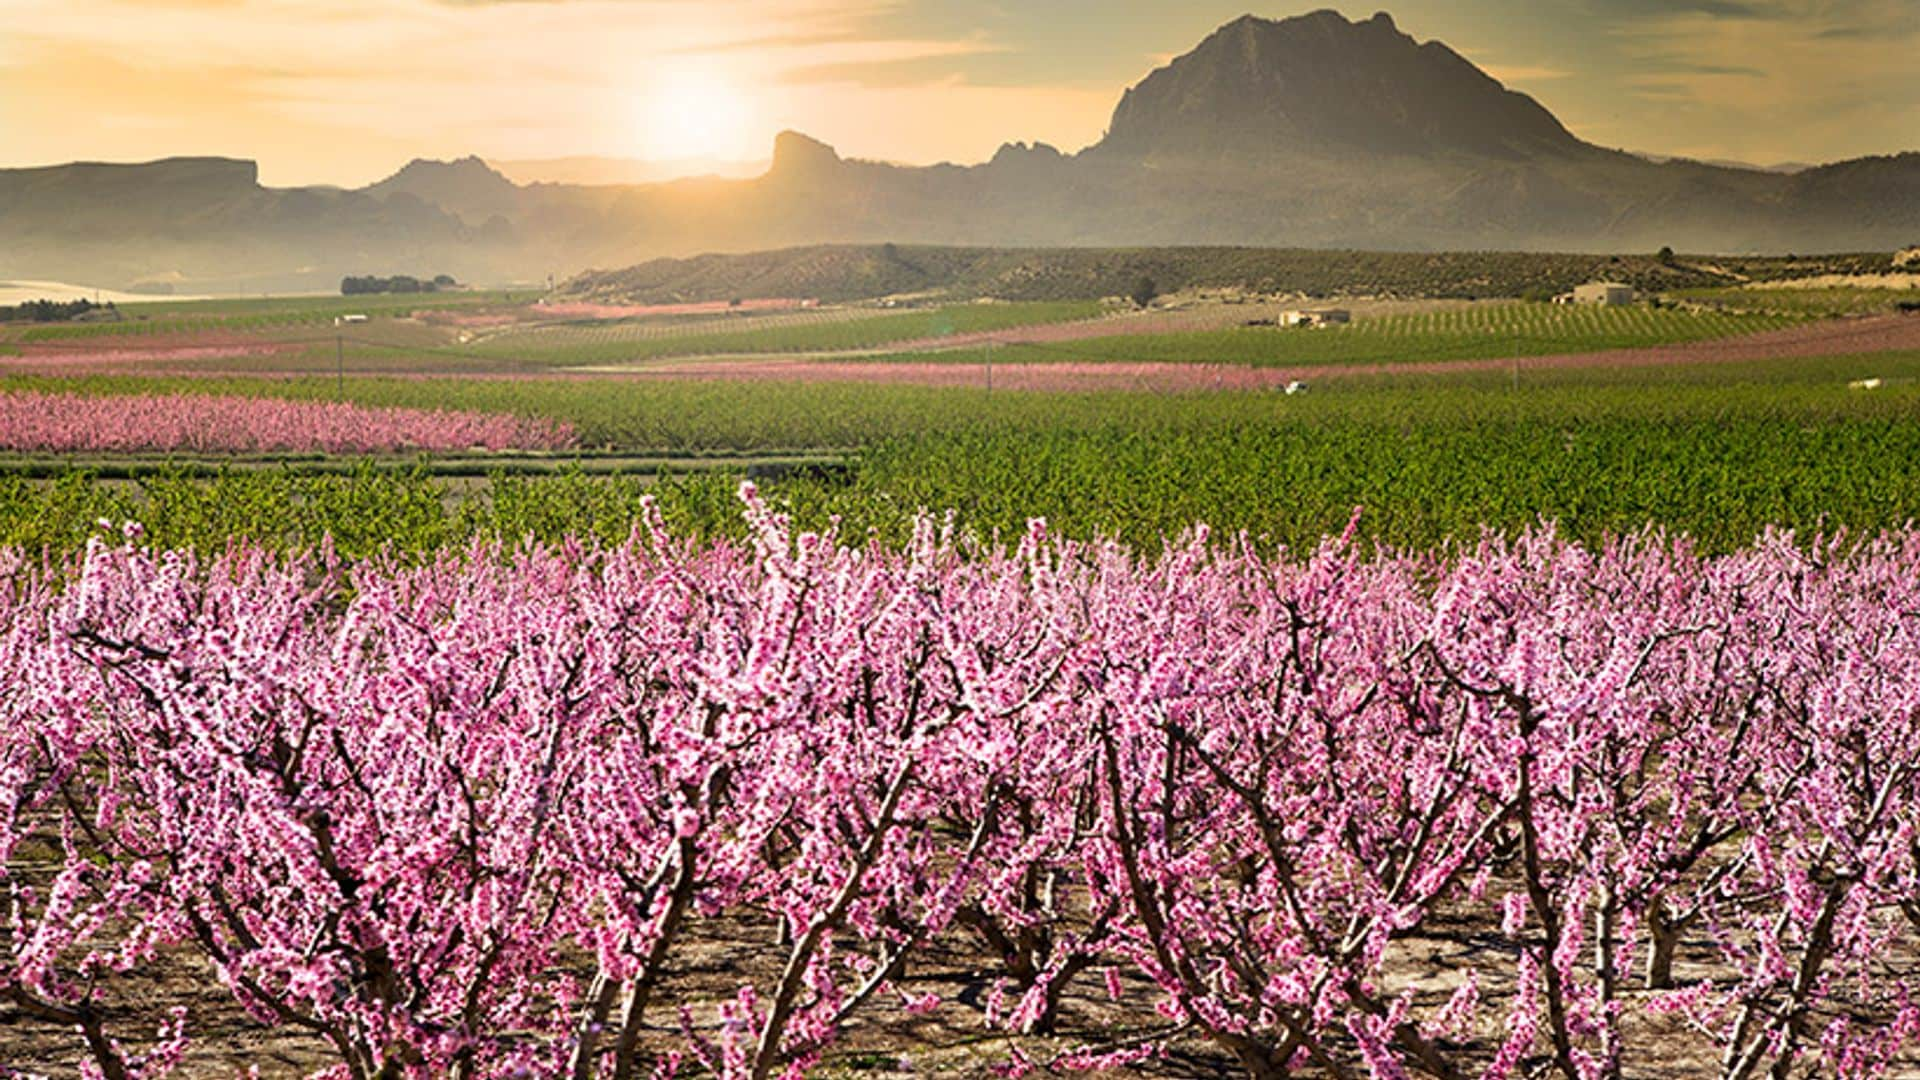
(845, 272)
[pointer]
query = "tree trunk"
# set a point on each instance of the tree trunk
(1663, 941)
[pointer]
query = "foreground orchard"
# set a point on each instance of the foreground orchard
(460, 819)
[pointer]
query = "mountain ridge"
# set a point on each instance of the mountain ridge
(1312, 131)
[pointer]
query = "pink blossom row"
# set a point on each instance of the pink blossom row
(73, 423)
(1523, 809)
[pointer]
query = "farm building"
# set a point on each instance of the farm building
(1317, 317)
(1604, 293)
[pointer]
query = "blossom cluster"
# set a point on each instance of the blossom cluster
(1524, 808)
(126, 423)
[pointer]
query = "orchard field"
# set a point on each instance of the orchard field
(1429, 462)
(482, 334)
(1532, 693)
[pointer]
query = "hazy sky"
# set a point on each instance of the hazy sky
(344, 91)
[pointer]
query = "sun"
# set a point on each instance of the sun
(695, 113)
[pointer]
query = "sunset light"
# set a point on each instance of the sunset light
(698, 113)
(752, 539)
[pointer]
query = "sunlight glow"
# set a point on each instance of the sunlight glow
(697, 113)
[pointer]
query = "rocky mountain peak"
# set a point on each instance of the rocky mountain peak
(1261, 88)
(799, 157)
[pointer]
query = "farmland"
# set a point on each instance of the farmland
(69, 423)
(514, 338)
(843, 273)
(1459, 333)
(797, 552)
(266, 313)
(843, 331)
(1718, 451)
(1822, 300)
(765, 541)
(574, 747)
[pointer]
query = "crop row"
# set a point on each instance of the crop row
(1431, 462)
(479, 817)
(1476, 332)
(1821, 301)
(826, 331)
(70, 423)
(1721, 485)
(540, 338)
(695, 416)
(176, 325)
(1565, 320)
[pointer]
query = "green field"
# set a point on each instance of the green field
(1432, 453)
(299, 336)
(1480, 332)
(256, 314)
(1826, 301)
(1477, 332)
(1718, 452)
(331, 303)
(630, 340)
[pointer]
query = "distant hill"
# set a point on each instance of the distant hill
(1786, 168)
(468, 187)
(1309, 132)
(857, 272)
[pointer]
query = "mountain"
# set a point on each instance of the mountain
(1261, 90)
(1314, 131)
(468, 187)
(207, 225)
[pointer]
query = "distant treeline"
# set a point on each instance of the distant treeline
(50, 310)
(399, 283)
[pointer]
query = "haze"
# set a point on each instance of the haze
(342, 91)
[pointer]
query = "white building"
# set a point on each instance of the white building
(1317, 317)
(1604, 293)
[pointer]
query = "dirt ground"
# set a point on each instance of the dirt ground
(951, 1041)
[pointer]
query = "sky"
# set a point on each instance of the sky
(346, 91)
